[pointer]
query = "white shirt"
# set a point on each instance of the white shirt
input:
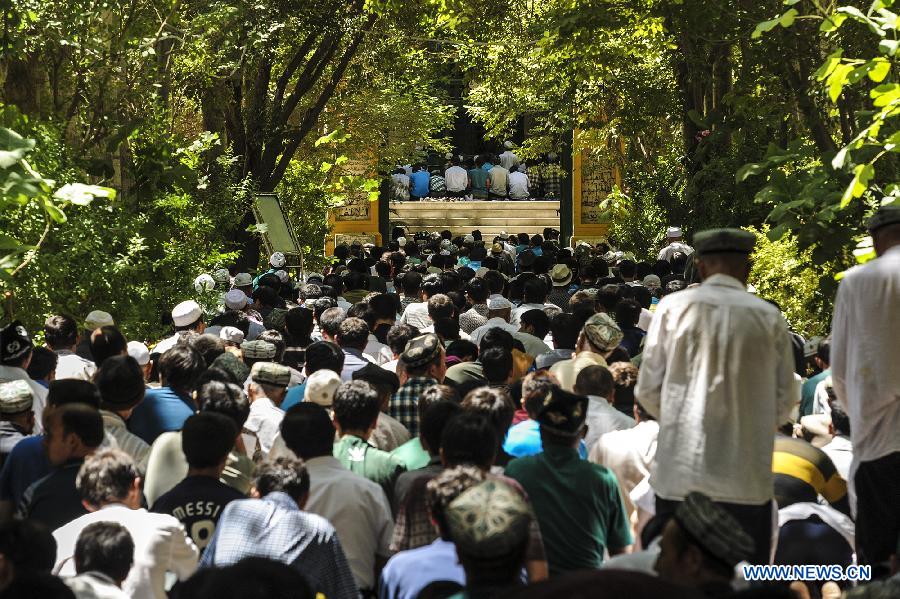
(160, 546)
(840, 450)
(676, 246)
(94, 585)
(165, 345)
(603, 418)
(72, 366)
(518, 185)
(629, 453)
(39, 401)
(507, 159)
(865, 342)
(718, 375)
(392, 365)
(645, 319)
(379, 352)
(416, 314)
(456, 178)
(263, 422)
(359, 511)
(516, 314)
(492, 323)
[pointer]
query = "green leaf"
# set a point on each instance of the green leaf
(862, 174)
(888, 47)
(764, 27)
(880, 69)
(832, 22)
(81, 194)
(697, 119)
(54, 212)
(776, 233)
(833, 60)
(837, 79)
(787, 19)
(749, 170)
(885, 94)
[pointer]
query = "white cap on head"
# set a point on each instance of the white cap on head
(97, 319)
(401, 241)
(469, 238)
(321, 387)
(236, 300)
(499, 303)
(222, 276)
(242, 279)
(508, 145)
(277, 260)
(448, 155)
(186, 313)
(673, 232)
(139, 352)
(232, 335)
(445, 243)
(482, 270)
(204, 283)
(282, 276)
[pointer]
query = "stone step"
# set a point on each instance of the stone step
(489, 217)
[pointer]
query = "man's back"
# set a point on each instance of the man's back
(197, 502)
(162, 410)
(274, 527)
(718, 374)
(54, 500)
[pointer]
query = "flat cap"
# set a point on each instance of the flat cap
(15, 397)
(421, 351)
(713, 528)
(321, 387)
(603, 332)
(14, 341)
(489, 520)
(98, 318)
(377, 376)
(186, 313)
(258, 349)
(884, 216)
(270, 373)
(720, 241)
(563, 413)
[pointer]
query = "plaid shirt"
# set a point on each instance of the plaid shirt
(560, 297)
(274, 527)
(413, 527)
(551, 175)
(404, 404)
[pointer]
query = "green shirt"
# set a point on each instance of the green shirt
(412, 454)
(808, 392)
(577, 504)
(358, 456)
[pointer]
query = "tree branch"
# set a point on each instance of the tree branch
(290, 69)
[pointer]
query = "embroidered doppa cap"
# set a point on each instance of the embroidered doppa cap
(270, 373)
(561, 275)
(884, 216)
(673, 232)
(258, 349)
(236, 299)
(563, 413)
(15, 397)
(98, 318)
(277, 260)
(242, 279)
(499, 303)
(720, 241)
(714, 529)
(603, 332)
(421, 351)
(14, 342)
(489, 521)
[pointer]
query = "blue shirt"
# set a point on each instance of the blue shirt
(294, 396)
(420, 182)
(25, 464)
(353, 361)
(408, 572)
(524, 439)
(276, 528)
(162, 411)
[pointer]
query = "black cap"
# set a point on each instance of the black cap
(376, 375)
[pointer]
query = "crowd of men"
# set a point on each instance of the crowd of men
(461, 417)
(486, 176)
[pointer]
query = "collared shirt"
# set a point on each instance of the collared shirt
(412, 454)
(465, 372)
(262, 424)
(668, 252)
(378, 466)
(577, 505)
(716, 415)
(408, 572)
(389, 434)
(472, 319)
(629, 454)
(353, 361)
(518, 186)
(53, 500)
(14, 373)
(457, 178)
(166, 344)
(404, 405)
(524, 439)
(95, 585)
(603, 418)
(378, 350)
(865, 342)
(534, 347)
(162, 410)
(840, 450)
(416, 314)
(160, 546)
(566, 371)
(499, 178)
(10, 435)
(276, 528)
(495, 322)
(551, 177)
(421, 184)
(359, 511)
(803, 472)
(126, 440)
(72, 366)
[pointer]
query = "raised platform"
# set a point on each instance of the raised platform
(489, 217)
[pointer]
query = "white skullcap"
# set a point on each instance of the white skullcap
(483, 270)
(469, 238)
(231, 334)
(236, 300)
(277, 260)
(401, 241)
(139, 352)
(321, 387)
(97, 319)
(508, 145)
(498, 303)
(186, 313)
(243, 279)
(673, 232)
(204, 283)
(282, 276)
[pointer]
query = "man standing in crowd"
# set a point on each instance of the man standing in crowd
(16, 415)
(16, 349)
(864, 347)
(61, 335)
(718, 398)
(674, 244)
(456, 179)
